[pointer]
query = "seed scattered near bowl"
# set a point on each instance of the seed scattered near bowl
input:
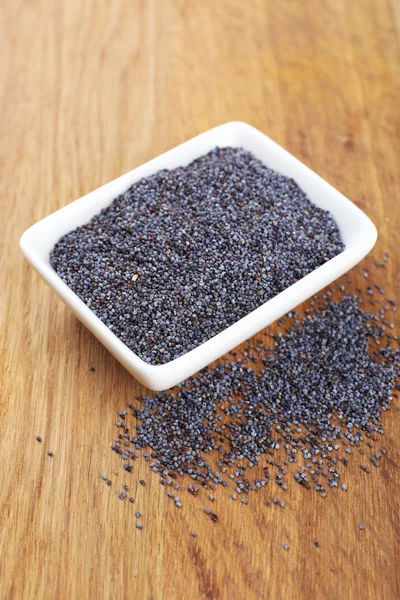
(320, 389)
(214, 517)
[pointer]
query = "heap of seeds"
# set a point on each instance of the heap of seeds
(320, 392)
(183, 254)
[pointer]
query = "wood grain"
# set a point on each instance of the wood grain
(88, 91)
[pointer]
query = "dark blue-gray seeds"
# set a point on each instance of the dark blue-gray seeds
(325, 380)
(183, 254)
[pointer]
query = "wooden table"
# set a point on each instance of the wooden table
(90, 90)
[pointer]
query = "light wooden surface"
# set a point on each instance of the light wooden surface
(88, 91)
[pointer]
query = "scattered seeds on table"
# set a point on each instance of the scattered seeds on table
(320, 391)
(214, 517)
(188, 417)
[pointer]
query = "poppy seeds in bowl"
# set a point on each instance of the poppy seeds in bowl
(185, 253)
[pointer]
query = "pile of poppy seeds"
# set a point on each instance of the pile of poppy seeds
(317, 392)
(185, 253)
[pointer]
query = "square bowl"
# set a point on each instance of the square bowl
(357, 230)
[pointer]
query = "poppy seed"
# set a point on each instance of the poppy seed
(185, 253)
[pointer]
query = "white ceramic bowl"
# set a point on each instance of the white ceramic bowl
(358, 233)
